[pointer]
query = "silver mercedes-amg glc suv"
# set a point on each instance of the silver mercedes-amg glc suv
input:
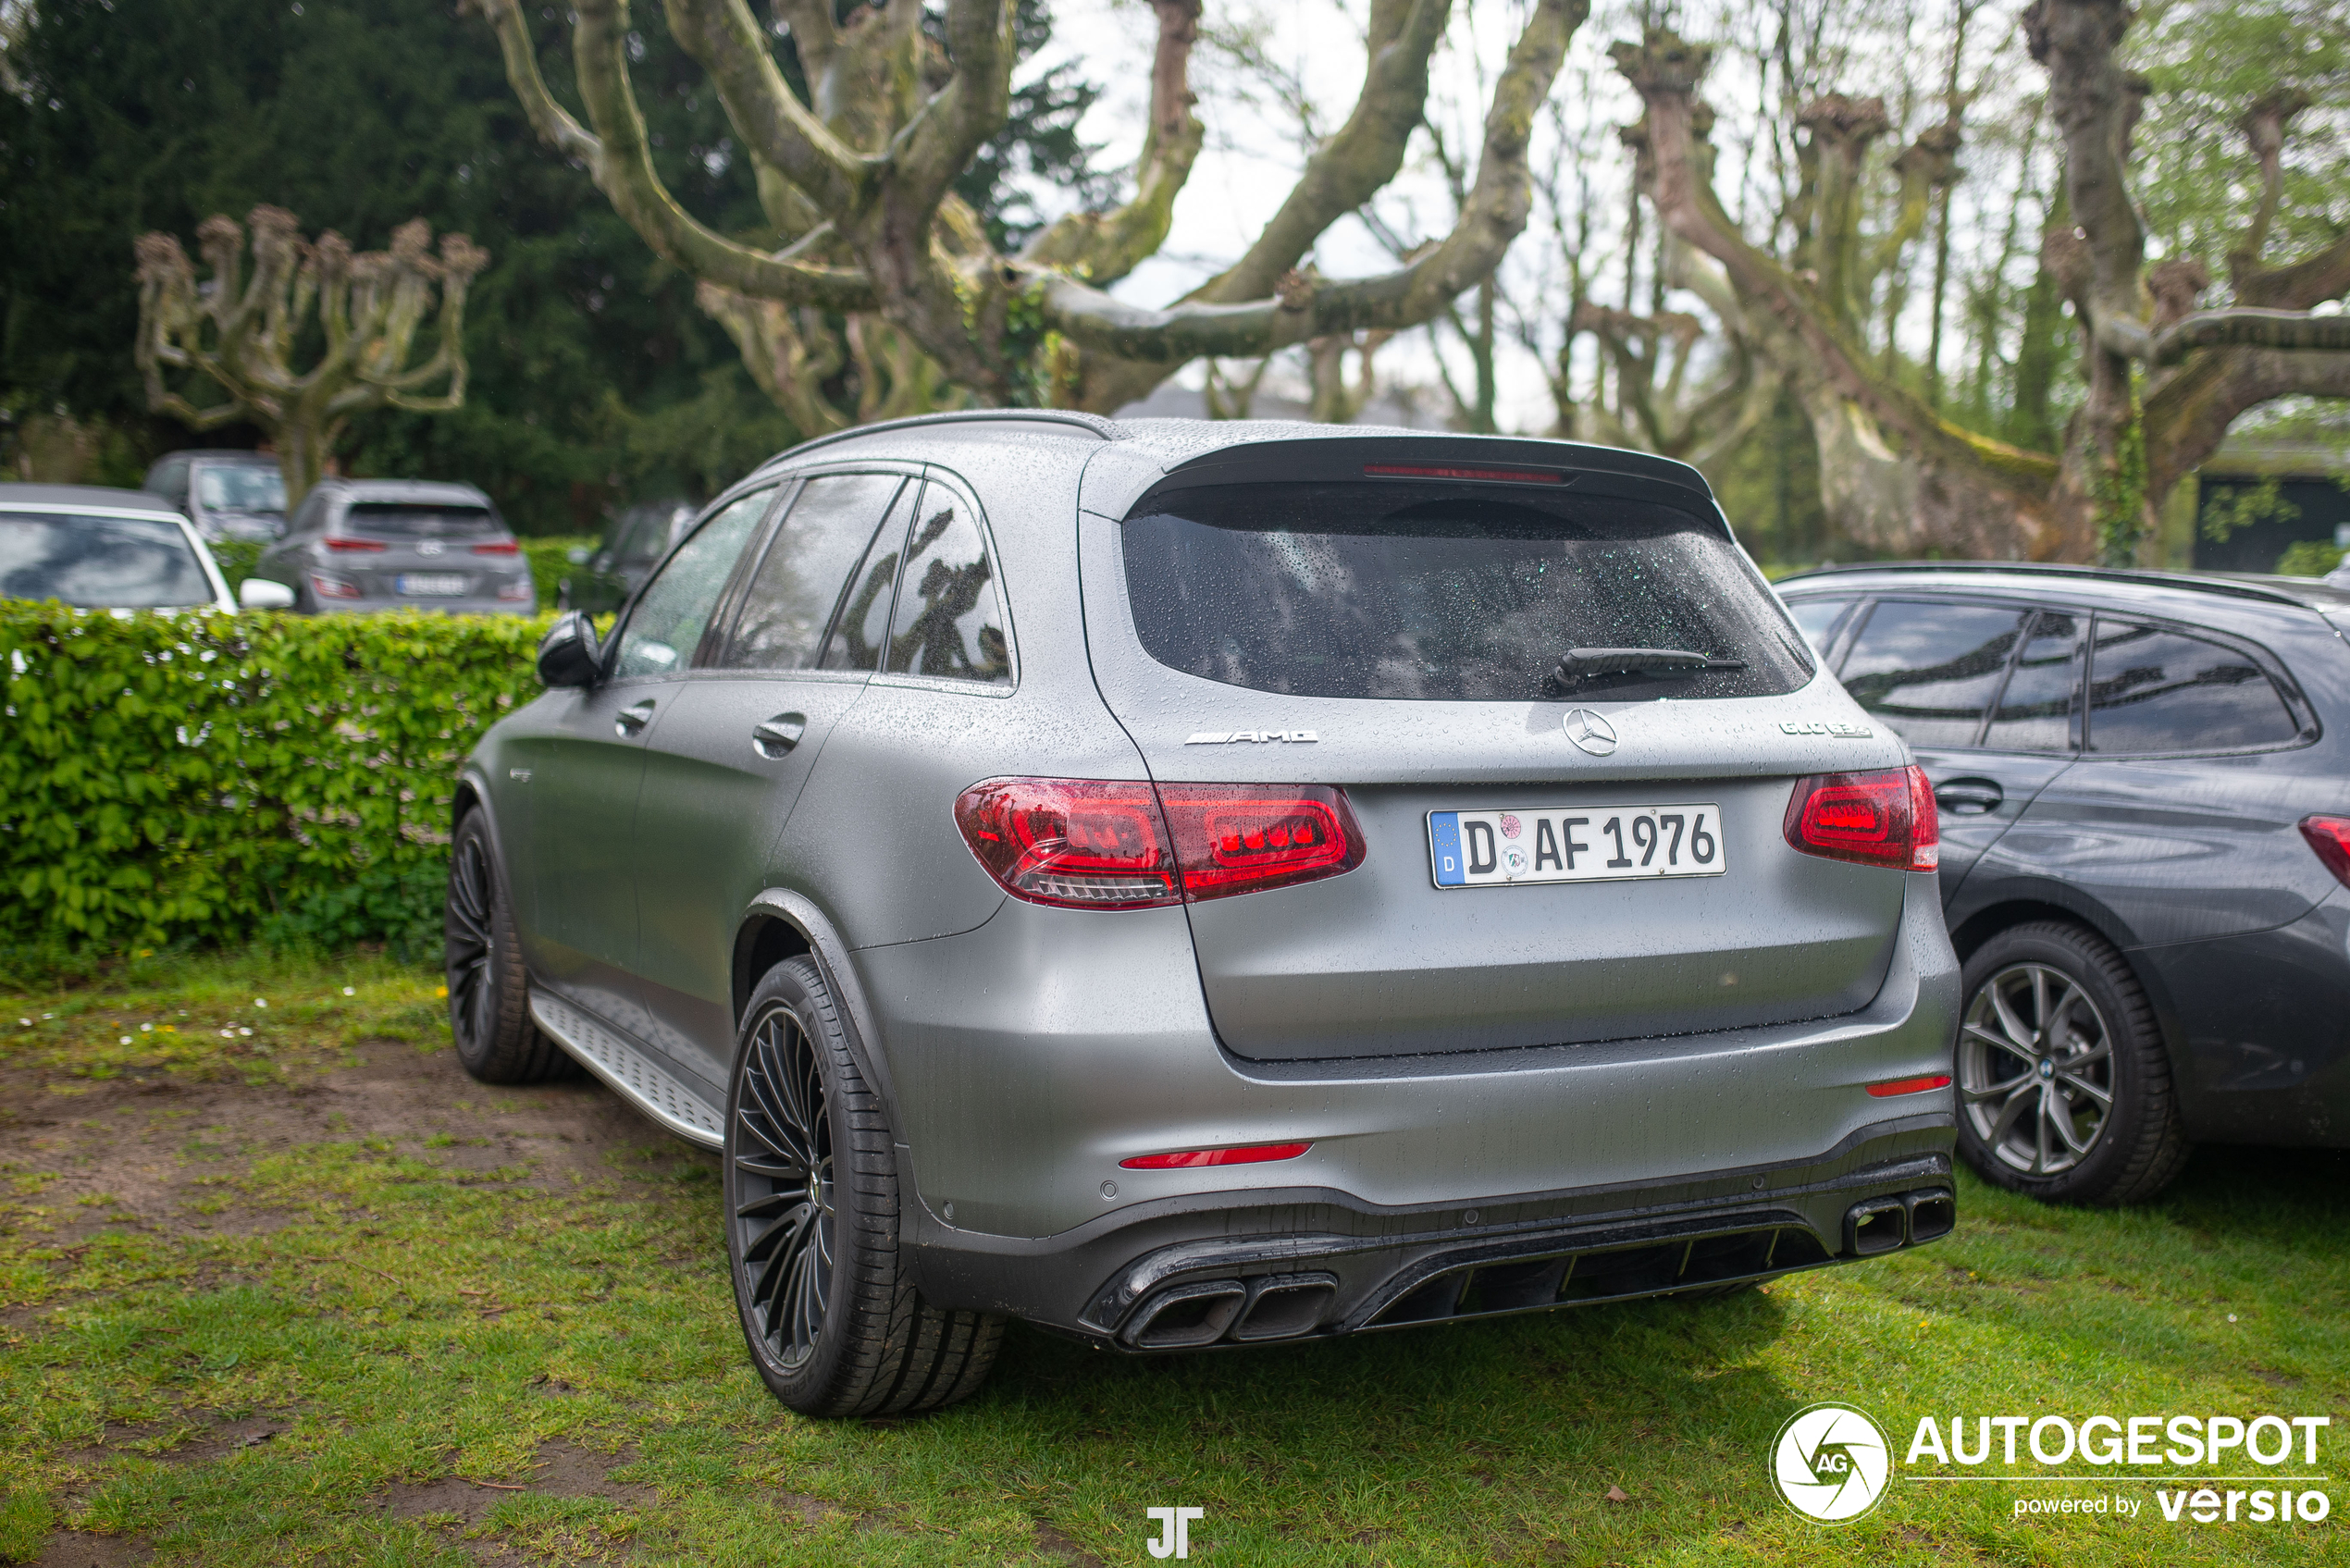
(1193, 884)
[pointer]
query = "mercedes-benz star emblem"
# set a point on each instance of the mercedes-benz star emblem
(1590, 732)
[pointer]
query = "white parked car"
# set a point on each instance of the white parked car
(98, 549)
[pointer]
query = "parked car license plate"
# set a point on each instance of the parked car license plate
(432, 584)
(1574, 844)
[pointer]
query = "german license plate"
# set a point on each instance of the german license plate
(432, 584)
(1574, 844)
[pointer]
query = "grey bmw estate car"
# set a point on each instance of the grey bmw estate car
(1196, 884)
(2144, 784)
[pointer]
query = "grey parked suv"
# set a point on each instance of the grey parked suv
(2144, 783)
(400, 544)
(1191, 884)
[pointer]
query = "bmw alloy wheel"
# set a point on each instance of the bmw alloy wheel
(2035, 1069)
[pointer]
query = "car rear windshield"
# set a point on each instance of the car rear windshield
(405, 520)
(100, 562)
(1446, 592)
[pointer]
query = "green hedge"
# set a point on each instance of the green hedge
(216, 778)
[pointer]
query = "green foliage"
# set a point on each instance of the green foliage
(550, 562)
(2231, 507)
(2310, 557)
(214, 777)
(236, 559)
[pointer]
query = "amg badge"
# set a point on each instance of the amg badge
(1227, 737)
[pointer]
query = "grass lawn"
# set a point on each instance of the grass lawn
(308, 1295)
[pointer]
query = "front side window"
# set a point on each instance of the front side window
(805, 573)
(1447, 591)
(674, 609)
(2038, 709)
(1929, 669)
(949, 620)
(100, 562)
(2154, 690)
(1817, 618)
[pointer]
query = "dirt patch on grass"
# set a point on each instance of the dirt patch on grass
(71, 1548)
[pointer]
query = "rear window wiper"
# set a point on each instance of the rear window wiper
(1579, 664)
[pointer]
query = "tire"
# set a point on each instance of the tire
(2094, 1121)
(832, 1323)
(488, 991)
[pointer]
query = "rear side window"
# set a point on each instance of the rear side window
(2036, 711)
(806, 570)
(949, 620)
(1929, 669)
(1445, 592)
(384, 520)
(2154, 690)
(863, 624)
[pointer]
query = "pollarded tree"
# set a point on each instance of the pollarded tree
(241, 332)
(857, 178)
(2164, 379)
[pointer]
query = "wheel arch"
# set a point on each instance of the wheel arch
(781, 924)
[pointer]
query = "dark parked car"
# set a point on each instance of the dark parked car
(1194, 884)
(391, 544)
(2145, 784)
(228, 495)
(601, 579)
(100, 549)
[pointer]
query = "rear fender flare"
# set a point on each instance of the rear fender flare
(824, 945)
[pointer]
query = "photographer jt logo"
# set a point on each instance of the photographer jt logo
(1175, 1540)
(1830, 1463)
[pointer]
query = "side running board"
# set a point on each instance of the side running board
(631, 1074)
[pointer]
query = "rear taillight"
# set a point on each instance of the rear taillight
(1091, 844)
(1081, 844)
(1241, 838)
(2330, 837)
(348, 545)
(509, 548)
(333, 587)
(1879, 818)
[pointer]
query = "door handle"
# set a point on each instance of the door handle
(1968, 797)
(778, 734)
(633, 718)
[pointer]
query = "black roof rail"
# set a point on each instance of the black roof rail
(2185, 581)
(1095, 424)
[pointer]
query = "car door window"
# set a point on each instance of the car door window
(2152, 689)
(949, 620)
(1929, 669)
(805, 574)
(674, 609)
(1817, 618)
(2039, 709)
(863, 624)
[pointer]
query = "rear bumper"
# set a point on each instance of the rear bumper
(1305, 1264)
(1027, 1058)
(427, 606)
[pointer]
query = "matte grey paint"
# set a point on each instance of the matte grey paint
(1022, 1050)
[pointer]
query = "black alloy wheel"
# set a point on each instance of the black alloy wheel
(481, 956)
(811, 1173)
(784, 1214)
(2064, 1083)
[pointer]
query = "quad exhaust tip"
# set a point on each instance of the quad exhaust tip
(1280, 1307)
(1876, 1226)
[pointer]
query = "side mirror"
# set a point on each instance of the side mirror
(260, 593)
(568, 655)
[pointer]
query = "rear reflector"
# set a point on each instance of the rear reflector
(326, 586)
(1090, 844)
(509, 548)
(1255, 1154)
(1431, 471)
(1893, 1086)
(1879, 818)
(2330, 837)
(365, 546)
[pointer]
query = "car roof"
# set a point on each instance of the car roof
(225, 455)
(81, 498)
(2123, 583)
(420, 490)
(1173, 443)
